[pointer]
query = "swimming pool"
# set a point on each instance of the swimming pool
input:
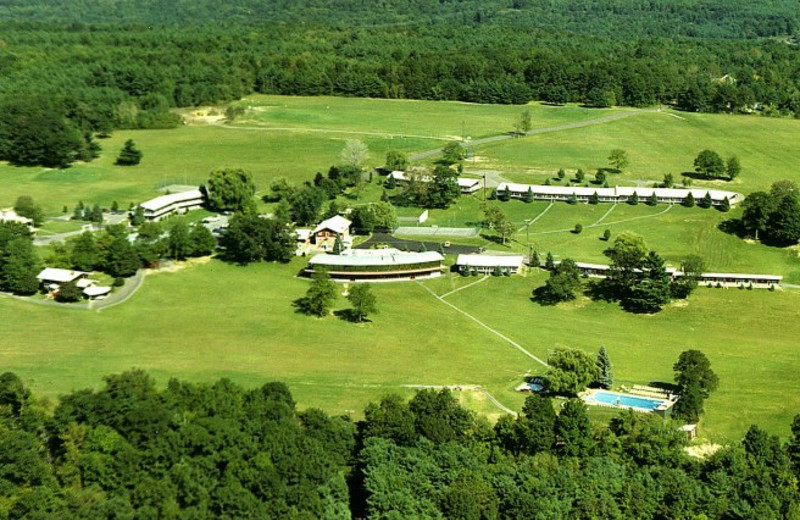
(602, 397)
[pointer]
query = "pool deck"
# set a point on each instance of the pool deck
(666, 403)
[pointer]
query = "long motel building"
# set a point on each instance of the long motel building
(617, 194)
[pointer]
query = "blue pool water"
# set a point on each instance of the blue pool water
(631, 401)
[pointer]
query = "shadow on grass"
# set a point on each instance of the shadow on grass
(543, 297)
(734, 227)
(351, 316)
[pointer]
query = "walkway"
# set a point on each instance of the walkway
(540, 215)
(479, 322)
(545, 130)
(122, 294)
(597, 224)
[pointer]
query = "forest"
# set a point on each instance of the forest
(132, 450)
(85, 74)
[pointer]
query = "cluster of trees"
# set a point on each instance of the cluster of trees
(65, 83)
(26, 207)
(19, 263)
(438, 190)
(495, 220)
(113, 252)
(251, 237)
(637, 278)
(710, 165)
(321, 295)
(377, 215)
(773, 217)
(219, 450)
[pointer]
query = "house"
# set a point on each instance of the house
(165, 205)
(50, 276)
(468, 186)
(9, 215)
(378, 265)
(489, 264)
(324, 235)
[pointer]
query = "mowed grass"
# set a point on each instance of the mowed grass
(657, 143)
(747, 335)
(433, 119)
(183, 156)
(218, 320)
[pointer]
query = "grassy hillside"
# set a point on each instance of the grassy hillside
(248, 330)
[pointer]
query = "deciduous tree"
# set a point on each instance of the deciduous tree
(320, 296)
(231, 189)
(709, 164)
(618, 158)
(570, 370)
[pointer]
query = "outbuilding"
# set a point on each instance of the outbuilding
(489, 264)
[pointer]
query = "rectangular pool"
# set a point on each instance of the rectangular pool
(603, 397)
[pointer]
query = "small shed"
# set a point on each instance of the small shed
(96, 292)
(690, 430)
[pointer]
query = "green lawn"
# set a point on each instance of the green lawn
(249, 332)
(752, 352)
(216, 320)
(431, 119)
(657, 143)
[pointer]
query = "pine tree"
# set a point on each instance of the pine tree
(338, 245)
(633, 200)
(561, 174)
(528, 195)
(19, 266)
(549, 263)
(572, 199)
(130, 155)
(652, 200)
(594, 199)
(137, 218)
(706, 201)
(725, 206)
(535, 260)
(689, 200)
(607, 235)
(606, 378)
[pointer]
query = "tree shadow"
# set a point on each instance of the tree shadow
(734, 227)
(669, 387)
(350, 315)
(543, 297)
(700, 177)
(600, 290)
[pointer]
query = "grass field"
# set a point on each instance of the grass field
(436, 120)
(216, 320)
(657, 143)
(249, 332)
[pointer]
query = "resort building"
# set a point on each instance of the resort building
(467, 185)
(324, 235)
(727, 280)
(165, 205)
(616, 194)
(489, 264)
(378, 265)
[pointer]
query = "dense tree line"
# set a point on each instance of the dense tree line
(73, 82)
(130, 450)
(621, 18)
